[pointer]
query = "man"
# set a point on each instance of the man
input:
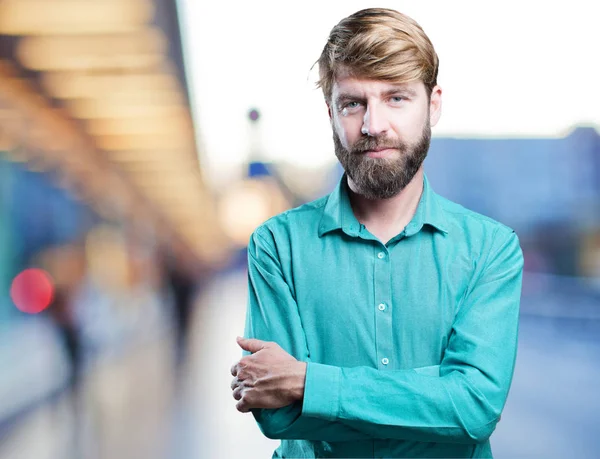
(382, 319)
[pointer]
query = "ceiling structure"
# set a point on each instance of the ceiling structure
(96, 89)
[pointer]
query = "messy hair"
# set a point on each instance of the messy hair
(381, 44)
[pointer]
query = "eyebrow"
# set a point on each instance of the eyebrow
(348, 96)
(400, 89)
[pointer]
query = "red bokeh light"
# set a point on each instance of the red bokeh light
(32, 290)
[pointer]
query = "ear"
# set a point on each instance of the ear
(435, 105)
(328, 110)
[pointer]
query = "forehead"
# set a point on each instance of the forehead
(345, 84)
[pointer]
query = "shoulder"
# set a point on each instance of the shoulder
(479, 243)
(477, 237)
(281, 225)
(469, 222)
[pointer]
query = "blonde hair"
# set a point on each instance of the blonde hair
(381, 44)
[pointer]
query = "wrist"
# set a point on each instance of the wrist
(299, 381)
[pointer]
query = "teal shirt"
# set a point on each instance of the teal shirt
(410, 345)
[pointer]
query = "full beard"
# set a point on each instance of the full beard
(382, 178)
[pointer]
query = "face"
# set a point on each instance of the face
(381, 132)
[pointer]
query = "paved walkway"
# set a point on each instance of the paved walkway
(134, 407)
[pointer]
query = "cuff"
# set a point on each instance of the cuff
(322, 391)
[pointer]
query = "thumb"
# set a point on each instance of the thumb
(250, 344)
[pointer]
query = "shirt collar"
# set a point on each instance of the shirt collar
(338, 214)
(429, 212)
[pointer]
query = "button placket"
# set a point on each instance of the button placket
(383, 317)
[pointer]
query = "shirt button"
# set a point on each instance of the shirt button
(380, 255)
(381, 307)
(385, 361)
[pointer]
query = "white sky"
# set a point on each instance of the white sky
(510, 68)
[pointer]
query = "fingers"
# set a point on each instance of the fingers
(238, 367)
(240, 393)
(242, 406)
(237, 393)
(237, 385)
(251, 345)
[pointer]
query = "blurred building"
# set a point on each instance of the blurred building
(97, 153)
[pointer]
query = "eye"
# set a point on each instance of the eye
(350, 107)
(397, 99)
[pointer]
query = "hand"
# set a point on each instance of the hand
(269, 378)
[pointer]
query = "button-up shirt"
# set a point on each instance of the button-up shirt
(410, 344)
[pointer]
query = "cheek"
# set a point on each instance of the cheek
(410, 128)
(347, 131)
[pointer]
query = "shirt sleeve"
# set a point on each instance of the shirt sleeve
(272, 315)
(462, 404)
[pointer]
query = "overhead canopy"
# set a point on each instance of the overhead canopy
(97, 89)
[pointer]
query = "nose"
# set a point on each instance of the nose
(375, 121)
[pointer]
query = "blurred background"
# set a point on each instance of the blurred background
(141, 141)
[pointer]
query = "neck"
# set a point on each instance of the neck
(385, 218)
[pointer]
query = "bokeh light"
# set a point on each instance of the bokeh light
(32, 290)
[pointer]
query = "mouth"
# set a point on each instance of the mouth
(380, 152)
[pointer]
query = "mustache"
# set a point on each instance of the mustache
(365, 144)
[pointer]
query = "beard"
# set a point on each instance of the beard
(382, 178)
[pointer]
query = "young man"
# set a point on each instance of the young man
(382, 319)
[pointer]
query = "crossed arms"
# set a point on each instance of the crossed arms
(292, 397)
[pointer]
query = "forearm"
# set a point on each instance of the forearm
(401, 404)
(344, 404)
(288, 423)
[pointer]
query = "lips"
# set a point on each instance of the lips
(381, 149)
(379, 152)
(377, 149)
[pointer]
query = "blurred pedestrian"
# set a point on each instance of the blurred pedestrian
(63, 316)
